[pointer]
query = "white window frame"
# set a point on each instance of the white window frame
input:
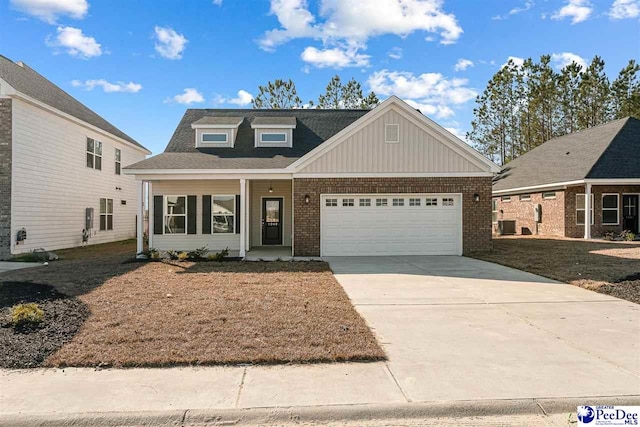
(285, 142)
(448, 202)
(364, 203)
(617, 208)
(386, 126)
(431, 201)
(226, 138)
(580, 207)
(415, 201)
(382, 202)
(505, 199)
(397, 201)
(165, 214)
(331, 203)
(94, 153)
(348, 202)
(525, 197)
(118, 154)
(549, 197)
(494, 211)
(106, 214)
(232, 214)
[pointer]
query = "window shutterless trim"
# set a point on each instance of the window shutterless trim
(580, 207)
(165, 214)
(617, 208)
(233, 214)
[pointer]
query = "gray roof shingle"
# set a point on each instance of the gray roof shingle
(27, 81)
(212, 120)
(274, 121)
(611, 150)
(313, 127)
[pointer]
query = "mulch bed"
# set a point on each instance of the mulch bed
(29, 347)
(204, 313)
(611, 268)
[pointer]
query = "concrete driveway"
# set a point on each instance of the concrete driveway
(456, 328)
(10, 266)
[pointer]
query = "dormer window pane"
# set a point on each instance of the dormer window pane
(214, 137)
(273, 137)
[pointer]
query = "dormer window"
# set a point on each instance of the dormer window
(273, 131)
(216, 131)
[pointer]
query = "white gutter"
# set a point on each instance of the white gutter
(552, 186)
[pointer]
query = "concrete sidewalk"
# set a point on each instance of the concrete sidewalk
(11, 265)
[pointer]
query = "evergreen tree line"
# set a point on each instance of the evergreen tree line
(282, 94)
(526, 105)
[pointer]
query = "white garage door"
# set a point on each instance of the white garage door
(394, 224)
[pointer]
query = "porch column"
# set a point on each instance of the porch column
(150, 209)
(247, 218)
(243, 215)
(587, 211)
(140, 217)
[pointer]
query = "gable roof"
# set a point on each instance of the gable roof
(313, 127)
(30, 83)
(607, 151)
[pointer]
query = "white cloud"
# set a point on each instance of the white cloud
(350, 23)
(189, 96)
(515, 59)
(243, 98)
(108, 87)
(457, 132)
(217, 2)
(622, 9)
(577, 10)
(75, 43)
(50, 10)
(334, 57)
(169, 44)
(395, 53)
(463, 64)
(561, 60)
(528, 4)
(431, 93)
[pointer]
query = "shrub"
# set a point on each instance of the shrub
(153, 253)
(26, 314)
(610, 235)
(219, 256)
(627, 235)
(173, 254)
(182, 256)
(199, 253)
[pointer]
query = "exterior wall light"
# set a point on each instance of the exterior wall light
(307, 199)
(476, 197)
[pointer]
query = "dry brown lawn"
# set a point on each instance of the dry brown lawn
(160, 314)
(606, 267)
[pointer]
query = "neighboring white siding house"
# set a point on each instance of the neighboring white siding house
(47, 183)
(52, 185)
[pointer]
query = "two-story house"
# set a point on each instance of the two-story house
(61, 168)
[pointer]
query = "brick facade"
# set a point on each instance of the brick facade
(5, 177)
(476, 216)
(559, 215)
(522, 211)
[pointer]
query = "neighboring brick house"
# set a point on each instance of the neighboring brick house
(388, 181)
(58, 159)
(603, 162)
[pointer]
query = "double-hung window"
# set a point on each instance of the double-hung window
(610, 206)
(106, 214)
(580, 209)
(223, 214)
(175, 214)
(94, 154)
(494, 210)
(118, 161)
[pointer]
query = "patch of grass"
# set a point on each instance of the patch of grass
(600, 266)
(95, 251)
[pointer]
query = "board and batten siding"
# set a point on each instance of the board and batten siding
(187, 242)
(366, 151)
(258, 191)
(52, 186)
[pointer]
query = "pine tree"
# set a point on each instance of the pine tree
(370, 102)
(594, 106)
(569, 89)
(543, 84)
(347, 96)
(333, 96)
(278, 95)
(352, 97)
(626, 92)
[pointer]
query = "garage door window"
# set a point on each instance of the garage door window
(331, 202)
(347, 202)
(430, 202)
(414, 202)
(398, 202)
(447, 201)
(381, 202)
(365, 202)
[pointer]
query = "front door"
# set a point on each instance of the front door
(272, 221)
(630, 213)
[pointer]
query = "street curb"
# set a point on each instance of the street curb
(359, 412)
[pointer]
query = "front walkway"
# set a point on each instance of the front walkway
(463, 336)
(10, 265)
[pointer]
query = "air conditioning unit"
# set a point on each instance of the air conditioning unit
(506, 227)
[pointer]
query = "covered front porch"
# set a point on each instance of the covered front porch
(251, 217)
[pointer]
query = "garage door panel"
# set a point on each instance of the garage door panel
(391, 230)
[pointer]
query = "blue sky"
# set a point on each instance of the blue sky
(140, 63)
